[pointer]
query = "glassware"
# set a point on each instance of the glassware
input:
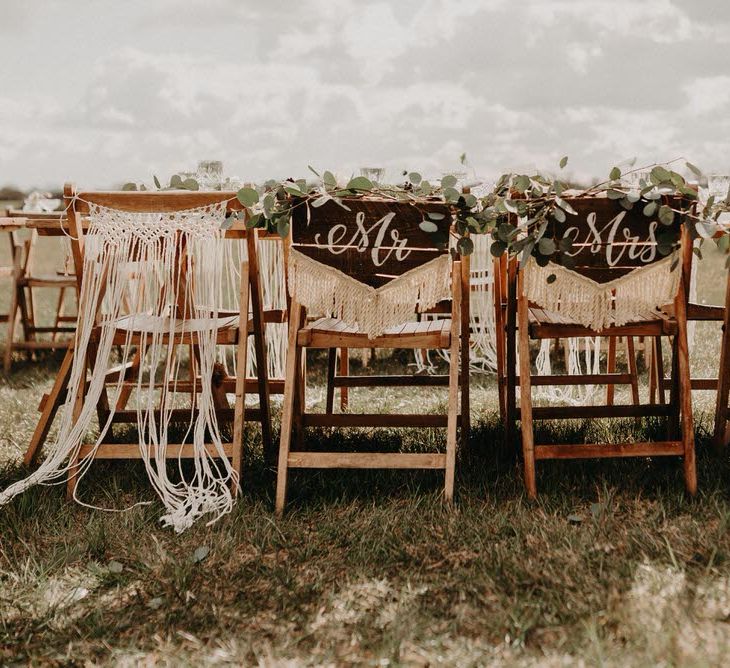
(209, 174)
(636, 179)
(719, 186)
(375, 174)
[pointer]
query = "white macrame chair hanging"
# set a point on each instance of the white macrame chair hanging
(177, 247)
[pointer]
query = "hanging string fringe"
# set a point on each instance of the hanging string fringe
(329, 292)
(635, 296)
(123, 249)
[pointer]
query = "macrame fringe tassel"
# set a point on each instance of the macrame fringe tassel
(327, 291)
(139, 252)
(635, 296)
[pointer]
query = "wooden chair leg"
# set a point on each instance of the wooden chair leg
(259, 339)
(723, 386)
(528, 438)
(344, 371)
(511, 356)
(300, 397)
(26, 302)
(465, 357)
(673, 422)
(72, 479)
(51, 404)
(291, 383)
(241, 355)
(633, 369)
(59, 313)
(650, 356)
(131, 374)
(685, 392)
(611, 368)
(498, 300)
(452, 419)
(658, 359)
(331, 368)
(13, 308)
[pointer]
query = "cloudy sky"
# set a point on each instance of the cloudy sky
(102, 92)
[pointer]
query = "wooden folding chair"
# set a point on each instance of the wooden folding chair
(228, 330)
(529, 321)
(352, 253)
(22, 299)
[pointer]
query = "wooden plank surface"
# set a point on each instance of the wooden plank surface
(596, 451)
(366, 460)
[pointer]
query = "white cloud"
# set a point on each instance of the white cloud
(580, 55)
(709, 95)
(270, 88)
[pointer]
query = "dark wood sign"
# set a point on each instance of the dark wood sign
(609, 241)
(375, 240)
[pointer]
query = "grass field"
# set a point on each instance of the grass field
(613, 565)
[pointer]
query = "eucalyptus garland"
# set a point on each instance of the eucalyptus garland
(271, 206)
(517, 212)
(521, 207)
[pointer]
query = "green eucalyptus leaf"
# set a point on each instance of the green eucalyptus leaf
(546, 246)
(665, 215)
(282, 227)
(659, 175)
(449, 181)
(694, 169)
(565, 206)
(505, 232)
(465, 246)
(428, 227)
(329, 180)
(498, 248)
(451, 195)
(563, 161)
(522, 183)
(650, 209)
(615, 174)
(190, 184)
(176, 181)
(723, 243)
(157, 182)
(414, 178)
(360, 183)
(435, 215)
(247, 196)
(558, 214)
(129, 186)
(254, 221)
